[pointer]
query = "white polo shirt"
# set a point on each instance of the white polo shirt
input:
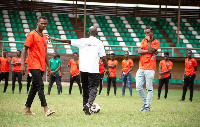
(90, 51)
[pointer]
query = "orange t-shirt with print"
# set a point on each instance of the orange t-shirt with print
(164, 67)
(101, 67)
(189, 66)
(17, 67)
(126, 65)
(74, 67)
(148, 61)
(4, 64)
(37, 50)
(112, 70)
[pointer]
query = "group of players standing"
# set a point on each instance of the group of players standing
(91, 50)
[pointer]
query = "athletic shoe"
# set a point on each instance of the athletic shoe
(190, 100)
(181, 100)
(164, 98)
(87, 109)
(146, 109)
(157, 98)
(49, 112)
(143, 107)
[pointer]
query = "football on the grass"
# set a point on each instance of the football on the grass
(95, 108)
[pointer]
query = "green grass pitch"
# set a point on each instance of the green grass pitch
(115, 111)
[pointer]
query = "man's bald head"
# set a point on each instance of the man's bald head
(93, 31)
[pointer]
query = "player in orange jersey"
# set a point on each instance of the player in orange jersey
(147, 66)
(101, 72)
(165, 67)
(127, 67)
(189, 75)
(112, 64)
(36, 44)
(4, 71)
(73, 66)
(16, 62)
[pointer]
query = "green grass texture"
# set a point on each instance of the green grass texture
(115, 111)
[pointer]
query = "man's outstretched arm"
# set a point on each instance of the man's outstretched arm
(61, 40)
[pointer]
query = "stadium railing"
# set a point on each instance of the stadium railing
(117, 49)
(109, 49)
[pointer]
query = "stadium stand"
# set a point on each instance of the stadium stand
(113, 31)
(16, 25)
(118, 33)
(129, 31)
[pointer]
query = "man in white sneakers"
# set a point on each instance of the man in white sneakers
(147, 66)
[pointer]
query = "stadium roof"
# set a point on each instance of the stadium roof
(137, 8)
(150, 2)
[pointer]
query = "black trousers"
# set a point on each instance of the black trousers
(101, 83)
(60, 84)
(90, 82)
(52, 79)
(77, 79)
(37, 86)
(19, 77)
(188, 81)
(161, 83)
(4, 75)
(113, 80)
(28, 82)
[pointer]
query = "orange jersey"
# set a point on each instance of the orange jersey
(60, 71)
(26, 62)
(148, 61)
(4, 64)
(189, 66)
(17, 67)
(37, 50)
(112, 70)
(126, 65)
(74, 67)
(101, 67)
(164, 67)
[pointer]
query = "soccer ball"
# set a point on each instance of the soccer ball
(95, 108)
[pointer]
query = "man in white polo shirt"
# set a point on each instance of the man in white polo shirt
(90, 51)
